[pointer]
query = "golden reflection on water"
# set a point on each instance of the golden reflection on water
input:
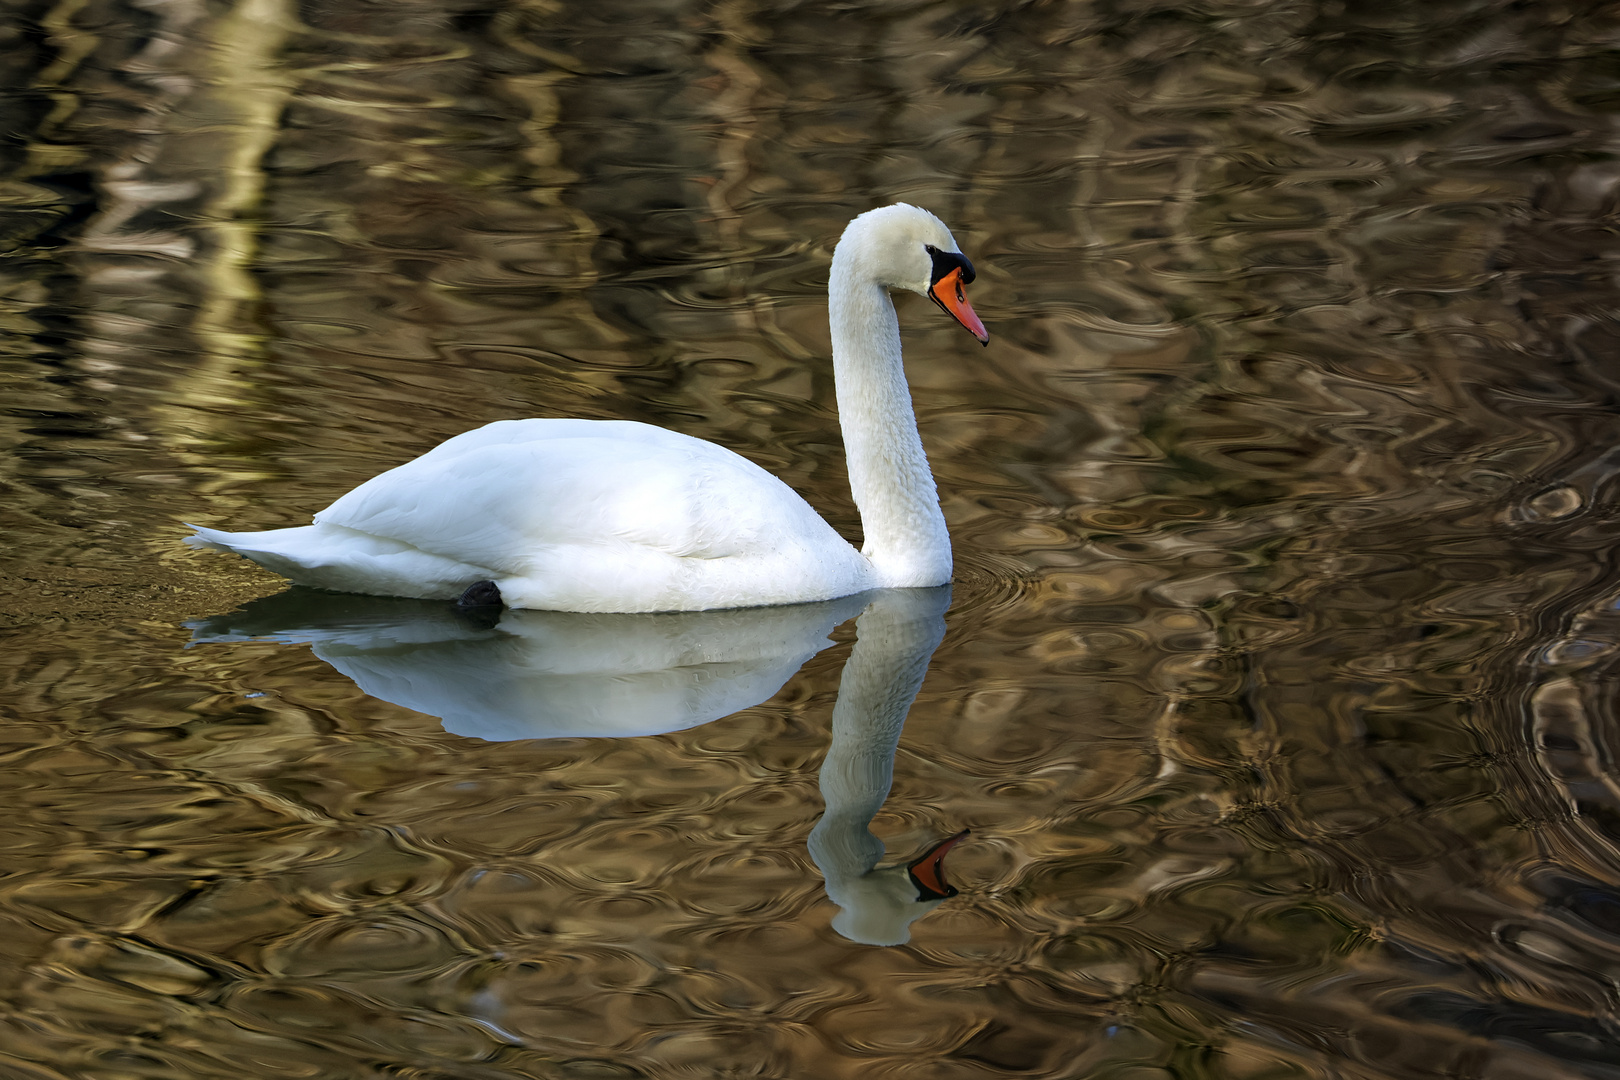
(1277, 686)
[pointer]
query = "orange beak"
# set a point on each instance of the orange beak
(928, 871)
(947, 293)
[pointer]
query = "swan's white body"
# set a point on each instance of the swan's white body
(569, 515)
(618, 516)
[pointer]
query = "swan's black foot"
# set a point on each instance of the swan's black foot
(480, 594)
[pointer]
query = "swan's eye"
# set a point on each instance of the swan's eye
(947, 261)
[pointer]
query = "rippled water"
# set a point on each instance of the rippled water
(1277, 682)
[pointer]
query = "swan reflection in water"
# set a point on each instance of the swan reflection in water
(523, 674)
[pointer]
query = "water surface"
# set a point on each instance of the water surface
(1277, 681)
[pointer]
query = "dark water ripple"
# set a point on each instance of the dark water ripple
(1277, 686)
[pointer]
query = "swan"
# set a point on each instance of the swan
(619, 516)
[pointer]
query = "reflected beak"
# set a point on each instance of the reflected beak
(928, 872)
(947, 293)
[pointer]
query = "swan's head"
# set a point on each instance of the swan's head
(879, 906)
(905, 247)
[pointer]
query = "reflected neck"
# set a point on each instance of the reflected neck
(894, 639)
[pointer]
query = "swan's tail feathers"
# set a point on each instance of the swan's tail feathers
(210, 538)
(288, 552)
(324, 556)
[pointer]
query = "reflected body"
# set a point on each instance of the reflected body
(581, 515)
(546, 674)
(539, 674)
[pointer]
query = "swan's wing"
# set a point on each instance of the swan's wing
(509, 494)
(528, 432)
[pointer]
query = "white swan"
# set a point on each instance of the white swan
(618, 516)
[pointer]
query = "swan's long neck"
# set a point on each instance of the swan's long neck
(905, 535)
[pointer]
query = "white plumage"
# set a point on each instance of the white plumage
(589, 515)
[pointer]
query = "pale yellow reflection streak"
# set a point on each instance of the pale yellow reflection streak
(549, 179)
(240, 102)
(738, 104)
(72, 47)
